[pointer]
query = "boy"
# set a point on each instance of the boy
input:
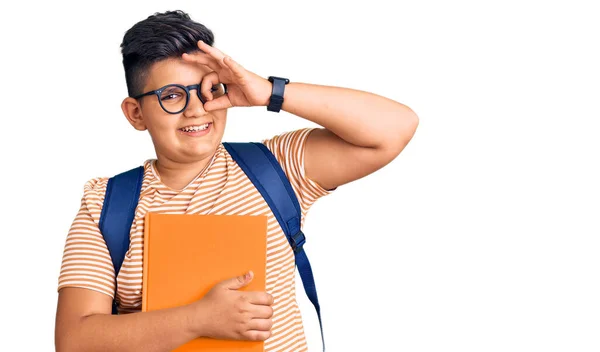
(180, 88)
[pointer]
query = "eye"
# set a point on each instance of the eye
(170, 96)
(217, 90)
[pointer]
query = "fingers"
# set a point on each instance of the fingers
(261, 298)
(203, 59)
(212, 51)
(237, 69)
(221, 102)
(254, 335)
(238, 281)
(260, 324)
(261, 312)
(208, 81)
(259, 329)
(209, 56)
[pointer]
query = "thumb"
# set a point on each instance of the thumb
(222, 102)
(239, 281)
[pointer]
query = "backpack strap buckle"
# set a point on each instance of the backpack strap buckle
(298, 241)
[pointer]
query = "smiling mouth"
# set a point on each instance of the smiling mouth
(195, 128)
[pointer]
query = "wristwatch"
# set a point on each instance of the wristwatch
(276, 100)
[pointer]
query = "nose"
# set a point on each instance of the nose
(195, 105)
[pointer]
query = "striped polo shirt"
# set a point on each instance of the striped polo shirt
(221, 189)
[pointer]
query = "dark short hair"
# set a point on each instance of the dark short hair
(158, 37)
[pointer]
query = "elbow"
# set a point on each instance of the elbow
(66, 341)
(67, 336)
(396, 138)
(410, 126)
(69, 343)
(403, 134)
(61, 344)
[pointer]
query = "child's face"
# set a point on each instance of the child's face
(165, 129)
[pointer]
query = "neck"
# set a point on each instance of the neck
(176, 175)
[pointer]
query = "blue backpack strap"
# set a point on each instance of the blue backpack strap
(263, 169)
(120, 200)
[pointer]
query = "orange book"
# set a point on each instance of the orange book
(186, 255)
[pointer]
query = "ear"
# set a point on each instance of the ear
(133, 112)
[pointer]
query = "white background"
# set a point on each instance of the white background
(483, 235)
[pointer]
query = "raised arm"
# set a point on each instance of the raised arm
(362, 131)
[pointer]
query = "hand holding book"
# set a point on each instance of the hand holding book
(229, 314)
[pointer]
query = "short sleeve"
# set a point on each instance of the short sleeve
(288, 149)
(86, 262)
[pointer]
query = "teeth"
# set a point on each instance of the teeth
(195, 128)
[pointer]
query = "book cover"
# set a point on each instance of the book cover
(185, 255)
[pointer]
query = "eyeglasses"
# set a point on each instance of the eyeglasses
(174, 98)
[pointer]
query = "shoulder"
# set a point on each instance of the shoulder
(95, 186)
(93, 192)
(287, 141)
(94, 189)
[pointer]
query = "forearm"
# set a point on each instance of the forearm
(161, 330)
(360, 118)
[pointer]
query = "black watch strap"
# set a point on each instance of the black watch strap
(276, 100)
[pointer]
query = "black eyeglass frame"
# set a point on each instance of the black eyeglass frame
(158, 93)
